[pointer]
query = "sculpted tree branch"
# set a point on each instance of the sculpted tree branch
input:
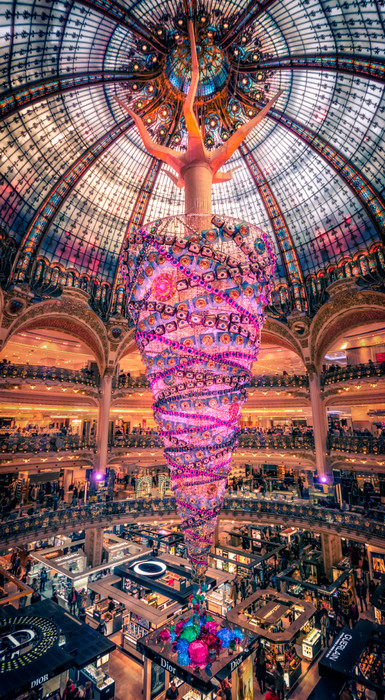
(197, 169)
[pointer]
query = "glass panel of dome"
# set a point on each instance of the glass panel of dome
(84, 41)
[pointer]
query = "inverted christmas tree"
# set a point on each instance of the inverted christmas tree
(197, 287)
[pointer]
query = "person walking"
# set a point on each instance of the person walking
(353, 614)
(279, 681)
(234, 592)
(43, 579)
(72, 598)
(271, 694)
(260, 667)
(362, 593)
(325, 629)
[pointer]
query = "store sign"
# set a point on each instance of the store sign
(167, 666)
(12, 643)
(235, 663)
(24, 640)
(338, 646)
(39, 681)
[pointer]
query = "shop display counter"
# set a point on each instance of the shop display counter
(102, 685)
(311, 645)
(378, 602)
(112, 618)
(219, 601)
(291, 671)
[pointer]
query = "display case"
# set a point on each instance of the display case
(234, 561)
(219, 601)
(311, 645)
(102, 685)
(292, 669)
(112, 618)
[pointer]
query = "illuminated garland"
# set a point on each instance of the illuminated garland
(197, 298)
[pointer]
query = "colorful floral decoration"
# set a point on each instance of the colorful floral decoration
(197, 289)
(198, 640)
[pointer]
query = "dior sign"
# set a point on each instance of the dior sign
(167, 666)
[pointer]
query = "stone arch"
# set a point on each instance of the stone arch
(347, 309)
(125, 345)
(67, 315)
(276, 333)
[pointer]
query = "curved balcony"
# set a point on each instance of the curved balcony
(43, 443)
(319, 519)
(356, 444)
(283, 381)
(276, 442)
(246, 439)
(353, 372)
(136, 440)
(33, 373)
(274, 381)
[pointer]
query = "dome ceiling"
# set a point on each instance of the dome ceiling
(74, 172)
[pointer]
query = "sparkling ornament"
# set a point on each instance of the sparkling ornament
(226, 636)
(197, 290)
(198, 653)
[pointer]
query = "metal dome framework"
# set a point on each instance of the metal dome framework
(75, 177)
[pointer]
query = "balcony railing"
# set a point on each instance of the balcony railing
(18, 443)
(274, 380)
(102, 513)
(43, 443)
(358, 444)
(276, 442)
(285, 381)
(136, 440)
(34, 372)
(343, 374)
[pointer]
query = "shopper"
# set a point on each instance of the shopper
(102, 627)
(279, 681)
(225, 690)
(362, 593)
(172, 692)
(72, 598)
(68, 690)
(43, 579)
(234, 592)
(325, 629)
(88, 693)
(54, 597)
(353, 614)
(260, 667)
(35, 597)
(271, 694)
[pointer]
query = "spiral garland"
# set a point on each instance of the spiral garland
(197, 298)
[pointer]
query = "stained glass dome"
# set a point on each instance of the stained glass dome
(75, 176)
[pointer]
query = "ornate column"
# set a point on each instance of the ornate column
(319, 421)
(93, 546)
(331, 552)
(104, 420)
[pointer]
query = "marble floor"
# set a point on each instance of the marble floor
(128, 676)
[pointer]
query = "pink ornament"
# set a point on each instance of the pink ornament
(165, 635)
(198, 653)
(211, 626)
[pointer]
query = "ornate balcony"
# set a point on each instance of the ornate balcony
(32, 373)
(348, 524)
